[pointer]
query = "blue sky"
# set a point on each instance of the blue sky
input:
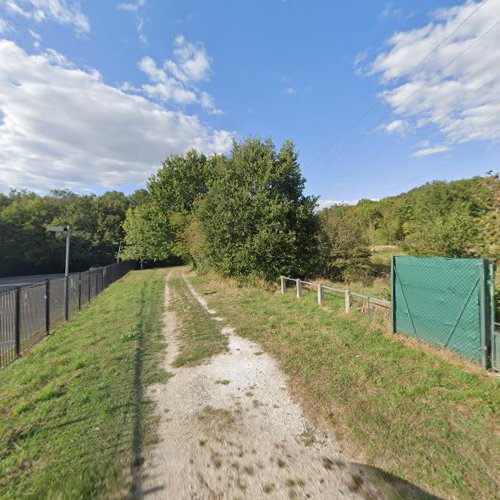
(96, 93)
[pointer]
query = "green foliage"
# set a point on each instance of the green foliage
(343, 246)
(26, 247)
(180, 182)
(255, 217)
(453, 219)
(148, 234)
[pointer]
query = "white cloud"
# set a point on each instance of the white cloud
(192, 62)
(390, 11)
(430, 151)
(447, 73)
(135, 7)
(60, 11)
(5, 27)
(290, 91)
(132, 6)
(176, 80)
(396, 126)
(61, 126)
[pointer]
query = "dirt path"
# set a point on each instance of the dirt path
(229, 429)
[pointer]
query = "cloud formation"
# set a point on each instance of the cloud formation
(60, 11)
(61, 126)
(135, 7)
(177, 79)
(446, 74)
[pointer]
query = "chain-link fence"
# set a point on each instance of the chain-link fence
(29, 313)
(445, 302)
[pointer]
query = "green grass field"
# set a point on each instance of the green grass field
(73, 415)
(398, 407)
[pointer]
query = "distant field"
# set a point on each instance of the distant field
(398, 407)
(73, 417)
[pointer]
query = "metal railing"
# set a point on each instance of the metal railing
(368, 302)
(28, 313)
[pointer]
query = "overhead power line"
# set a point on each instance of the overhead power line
(420, 63)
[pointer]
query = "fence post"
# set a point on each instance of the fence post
(320, 294)
(393, 295)
(88, 282)
(18, 321)
(283, 285)
(347, 296)
(299, 289)
(369, 309)
(79, 291)
(47, 306)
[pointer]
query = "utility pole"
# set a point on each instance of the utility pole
(66, 273)
(67, 230)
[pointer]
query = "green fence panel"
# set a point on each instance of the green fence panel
(446, 302)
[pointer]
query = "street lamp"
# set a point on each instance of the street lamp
(119, 243)
(67, 230)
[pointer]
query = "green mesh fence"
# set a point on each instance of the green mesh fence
(446, 302)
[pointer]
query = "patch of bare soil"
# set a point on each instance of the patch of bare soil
(229, 429)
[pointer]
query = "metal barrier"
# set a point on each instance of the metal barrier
(29, 313)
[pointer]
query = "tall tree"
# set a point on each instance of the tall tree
(255, 216)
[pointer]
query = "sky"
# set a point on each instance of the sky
(378, 96)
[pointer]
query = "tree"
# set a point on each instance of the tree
(343, 245)
(255, 217)
(148, 235)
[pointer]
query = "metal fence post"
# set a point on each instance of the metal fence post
(88, 281)
(320, 294)
(17, 330)
(393, 295)
(79, 291)
(283, 285)
(299, 289)
(47, 306)
(347, 296)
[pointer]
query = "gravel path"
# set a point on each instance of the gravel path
(229, 429)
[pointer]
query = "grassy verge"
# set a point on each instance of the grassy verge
(397, 407)
(200, 335)
(73, 419)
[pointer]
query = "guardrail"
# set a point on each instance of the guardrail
(28, 313)
(348, 294)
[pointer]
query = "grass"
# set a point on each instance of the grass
(200, 337)
(73, 416)
(398, 407)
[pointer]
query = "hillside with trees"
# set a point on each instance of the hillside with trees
(451, 219)
(245, 213)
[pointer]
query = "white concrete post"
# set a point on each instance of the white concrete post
(320, 294)
(347, 295)
(283, 285)
(299, 289)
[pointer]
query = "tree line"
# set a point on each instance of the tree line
(246, 214)
(243, 214)
(27, 248)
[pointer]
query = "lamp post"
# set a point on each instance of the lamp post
(67, 230)
(119, 243)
